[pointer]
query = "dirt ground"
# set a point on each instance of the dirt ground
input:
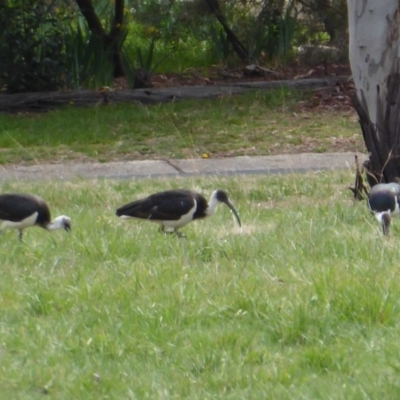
(220, 75)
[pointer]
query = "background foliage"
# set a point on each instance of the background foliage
(47, 45)
(32, 47)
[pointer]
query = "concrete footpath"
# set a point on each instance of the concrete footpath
(285, 163)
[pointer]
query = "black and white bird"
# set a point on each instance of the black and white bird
(383, 201)
(20, 211)
(174, 209)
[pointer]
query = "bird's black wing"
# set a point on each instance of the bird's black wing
(16, 207)
(163, 206)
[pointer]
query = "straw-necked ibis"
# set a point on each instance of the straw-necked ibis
(174, 209)
(20, 211)
(383, 201)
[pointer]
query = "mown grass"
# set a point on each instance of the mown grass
(302, 302)
(260, 123)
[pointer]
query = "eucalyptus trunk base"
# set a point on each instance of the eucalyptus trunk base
(383, 138)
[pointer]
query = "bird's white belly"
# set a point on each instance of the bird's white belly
(25, 223)
(178, 223)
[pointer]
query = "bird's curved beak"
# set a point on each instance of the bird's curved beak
(235, 213)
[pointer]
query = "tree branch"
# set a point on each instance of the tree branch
(91, 17)
(237, 45)
(111, 42)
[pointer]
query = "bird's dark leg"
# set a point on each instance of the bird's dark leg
(20, 235)
(180, 235)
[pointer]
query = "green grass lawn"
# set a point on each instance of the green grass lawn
(302, 302)
(259, 123)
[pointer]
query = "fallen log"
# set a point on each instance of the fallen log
(44, 101)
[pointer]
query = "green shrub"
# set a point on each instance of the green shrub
(31, 47)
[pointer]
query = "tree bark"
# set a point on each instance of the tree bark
(374, 29)
(111, 42)
(237, 45)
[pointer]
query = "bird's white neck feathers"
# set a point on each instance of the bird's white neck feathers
(58, 223)
(212, 204)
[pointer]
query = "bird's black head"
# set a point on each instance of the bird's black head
(67, 223)
(222, 196)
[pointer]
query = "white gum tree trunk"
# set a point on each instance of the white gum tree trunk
(374, 29)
